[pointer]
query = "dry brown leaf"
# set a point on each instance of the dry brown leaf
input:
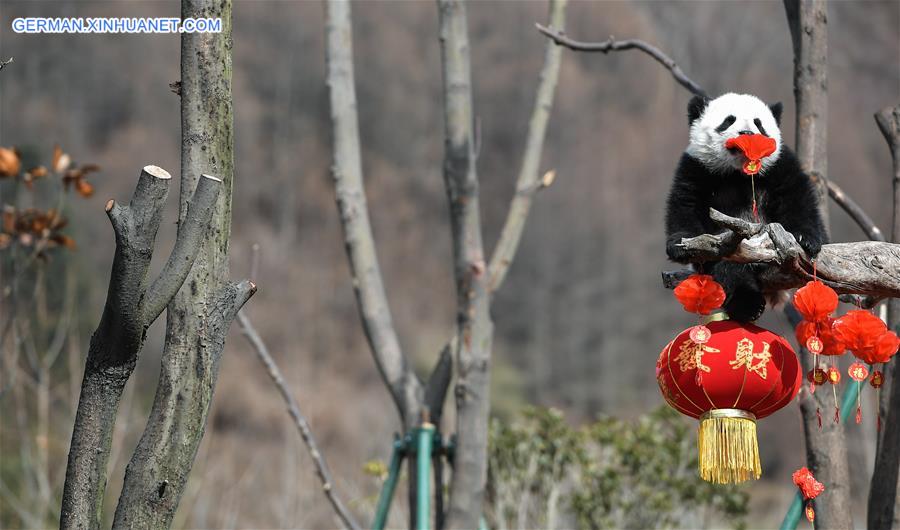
(10, 163)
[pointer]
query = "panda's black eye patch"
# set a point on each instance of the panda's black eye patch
(759, 126)
(726, 123)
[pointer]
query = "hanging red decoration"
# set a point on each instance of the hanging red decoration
(858, 372)
(807, 330)
(700, 294)
(810, 488)
(815, 301)
(877, 379)
(866, 336)
(747, 374)
(755, 147)
(834, 375)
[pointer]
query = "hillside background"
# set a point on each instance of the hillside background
(582, 316)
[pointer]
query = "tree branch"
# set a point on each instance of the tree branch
(474, 326)
(262, 353)
(529, 182)
(114, 348)
(612, 45)
(864, 268)
(180, 261)
(199, 315)
(884, 492)
(853, 209)
(372, 303)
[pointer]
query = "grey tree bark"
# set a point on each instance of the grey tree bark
(826, 449)
(130, 309)
(884, 492)
(474, 325)
(405, 387)
(414, 399)
(201, 312)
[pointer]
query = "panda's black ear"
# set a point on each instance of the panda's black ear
(695, 108)
(776, 109)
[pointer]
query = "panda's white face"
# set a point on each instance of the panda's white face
(728, 116)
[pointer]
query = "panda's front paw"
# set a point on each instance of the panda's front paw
(786, 246)
(676, 251)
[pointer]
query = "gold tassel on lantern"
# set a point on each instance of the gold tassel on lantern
(728, 450)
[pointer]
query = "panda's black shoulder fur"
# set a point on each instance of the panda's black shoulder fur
(785, 194)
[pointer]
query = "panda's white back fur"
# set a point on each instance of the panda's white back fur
(708, 145)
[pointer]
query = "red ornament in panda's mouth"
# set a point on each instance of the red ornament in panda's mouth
(754, 147)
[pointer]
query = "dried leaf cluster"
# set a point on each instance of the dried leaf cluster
(38, 229)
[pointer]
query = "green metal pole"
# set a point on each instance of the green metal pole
(387, 492)
(425, 435)
(792, 517)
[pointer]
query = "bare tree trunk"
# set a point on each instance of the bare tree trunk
(884, 492)
(474, 326)
(826, 450)
(130, 309)
(200, 314)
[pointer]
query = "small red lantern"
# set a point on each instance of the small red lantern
(748, 373)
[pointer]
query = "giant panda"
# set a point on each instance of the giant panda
(710, 175)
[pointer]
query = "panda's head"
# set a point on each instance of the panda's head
(714, 121)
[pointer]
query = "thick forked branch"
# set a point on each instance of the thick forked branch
(322, 469)
(117, 342)
(528, 182)
(869, 268)
(612, 45)
(404, 385)
(474, 326)
(199, 315)
(884, 493)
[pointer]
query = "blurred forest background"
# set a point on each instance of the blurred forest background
(583, 315)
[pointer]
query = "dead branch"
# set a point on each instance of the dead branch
(6, 62)
(884, 493)
(322, 470)
(869, 268)
(118, 339)
(612, 45)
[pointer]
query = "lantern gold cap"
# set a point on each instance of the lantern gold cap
(727, 413)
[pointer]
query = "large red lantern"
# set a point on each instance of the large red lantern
(738, 374)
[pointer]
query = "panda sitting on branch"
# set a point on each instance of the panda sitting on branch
(722, 169)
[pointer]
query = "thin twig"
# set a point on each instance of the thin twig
(853, 209)
(529, 180)
(612, 45)
(322, 470)
(6, 62)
